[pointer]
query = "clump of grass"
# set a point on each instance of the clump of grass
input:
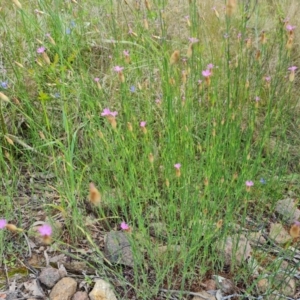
(180, 123)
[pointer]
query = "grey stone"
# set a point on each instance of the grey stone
(49, 276)
(117, 248)
(278, 233)
(80, 296)
(288, 211)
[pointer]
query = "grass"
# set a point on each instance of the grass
(232, 127)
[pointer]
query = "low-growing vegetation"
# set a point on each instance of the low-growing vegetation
(175, 122)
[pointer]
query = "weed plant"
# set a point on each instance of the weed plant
(184, 114)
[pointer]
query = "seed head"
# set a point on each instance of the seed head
(94, 196)
(174, 57)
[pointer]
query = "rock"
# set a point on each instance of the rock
(287, 285)
(76, 266)
(237, 248)
(64, 289)
(263, 285)
(226, 285)
(278, 233)
(117, 248)
(204, 295)
(49, 276)
(33, 288)
(80, 296)
(288, 211)
(256, 238)
(102, 291)
(62, 271)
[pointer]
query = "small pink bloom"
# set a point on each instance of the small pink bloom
(41, 50)
(177, 166)
(186, 17)
(143, 123)
(210, 66)
(124, 226)
(107, 112)
(290, 27)
(126, 53)
(206, 73)
(249, 183)
(114, 113)
(293, 68)
(118, 69)
(193, 40)
(268, 78)
(3, 223)
(45, 230)
(257, 98)
(158, 101)
(96, 79)
(199, 81)
(297, 223)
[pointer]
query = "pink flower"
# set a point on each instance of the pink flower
(249, 183)
(143, 123)
(199, 81)
(193, 40)
(96, 79)
(293, 68)
(3, 223)
(290, 27)
(206, 73)
(41, 50)
(126, 53)
(210, 66)
(124, 226)
(107, 112)
(118, 69)
(45, 230)
(257, 98)
(177, 166)
(268, 78)
(157, 101)
(297, 223)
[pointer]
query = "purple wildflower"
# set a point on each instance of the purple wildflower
(45, 230)
(3, 223)
(290, 27)
(249, 183)
(193, 40)
(41, 50)
(118, 69)
(4, 84)
(124, 226)
(177, 166)
(107, 112)
(293, 68)
(206, 73)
